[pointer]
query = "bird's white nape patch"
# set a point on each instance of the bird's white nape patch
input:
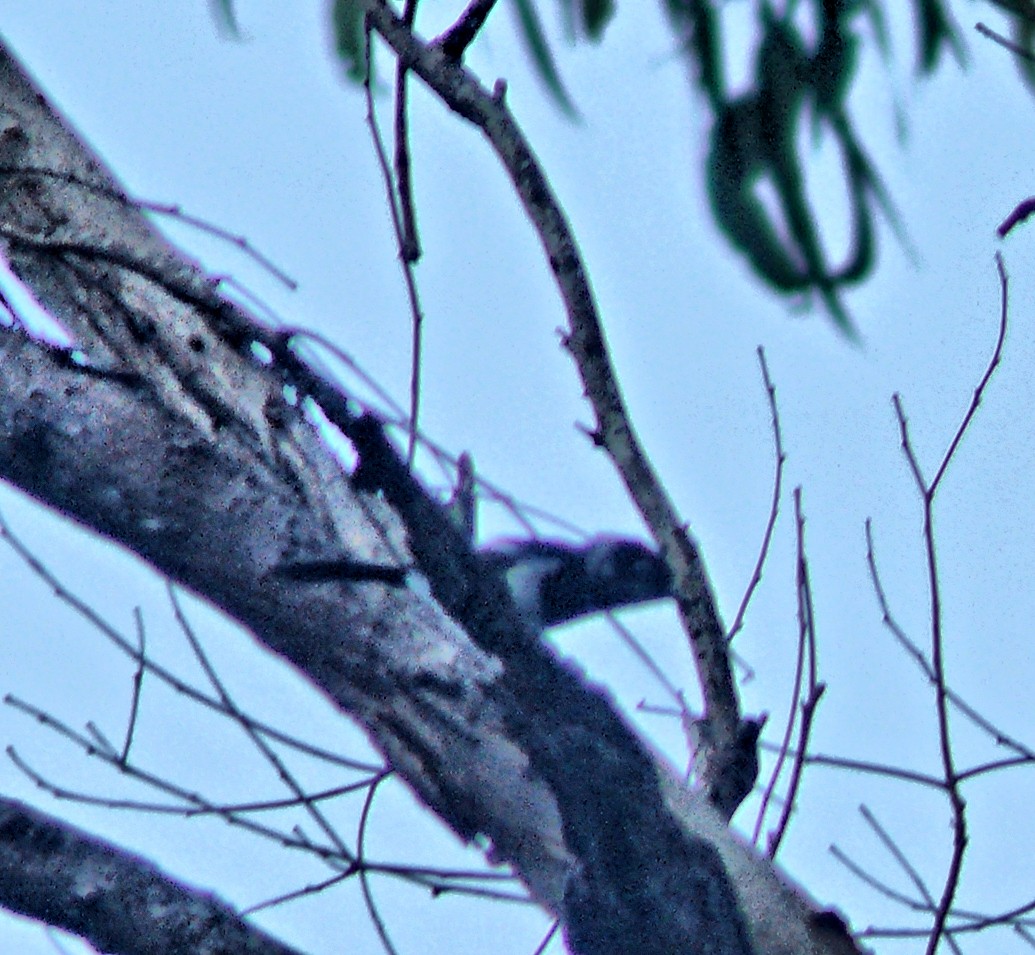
(525, 581)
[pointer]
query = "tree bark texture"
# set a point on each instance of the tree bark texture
(117, 901)
(161, 430)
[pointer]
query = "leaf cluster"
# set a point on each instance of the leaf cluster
(804, 71)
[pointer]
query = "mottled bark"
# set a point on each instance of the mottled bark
(161, 430)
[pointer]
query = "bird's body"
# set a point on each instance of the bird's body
(553, 582)
(550, 582)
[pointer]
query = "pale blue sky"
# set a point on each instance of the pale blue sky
(261, 138)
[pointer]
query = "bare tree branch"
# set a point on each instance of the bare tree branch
(120, 903)
(462, 93)
(162, 430)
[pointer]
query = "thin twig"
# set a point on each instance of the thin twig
(234, 239)
(928, 492)
(364, 881)
(409, 279)
(1014, 48)
(193, 803)
(1021, 212)
(783, 751)
(993, 364)
(461, 92)
(551, 932)
(138, 680)
(162, 673)
(882, 887)
(173, 210)
(436, 880)
(164, 809)
(915, 877)
(409, 243)
(774, 508)
(1025, 934)
(313, 888)
(807, 652)
(941, 702)
(102, 741)
(258, 740)
(864, 766)
(899, 856)
(1000, 736)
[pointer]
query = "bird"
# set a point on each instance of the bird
(554, 582)
(551, 582)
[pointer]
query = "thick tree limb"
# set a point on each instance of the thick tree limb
(162, 432)
(120, 903)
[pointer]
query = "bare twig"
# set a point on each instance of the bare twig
(138, 680)
(950, 777)
(914, 876)
(455, 41)
(1000, 736)
(258, 740)
(584, 339)
(1025, 934)
(161, 672)
(234, 239)
(928, 491)
(364, 880)
(864, 766)
(409, 244)
(551, 932)
(158, 808)
(406, 254)
(1021, 212)
(313, 888)
(900, 857)
(192, 803)
(979, 391)
(172, 210)
(806, 655)
(879, 886)
(774, 508)
(1015, 48)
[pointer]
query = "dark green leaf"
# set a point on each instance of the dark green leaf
(1022, 16)
(936, 31)
(697, 27)
(1024, 34)
(226, 19)
(596, 14)
(542, 57)
(349, 39)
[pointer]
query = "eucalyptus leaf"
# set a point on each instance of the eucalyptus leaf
(225, 17)
(936, 30)
(349, 39)
(542, 57)
(596, 15)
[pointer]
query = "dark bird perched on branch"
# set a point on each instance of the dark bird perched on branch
(551, 582)
(554, 582)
